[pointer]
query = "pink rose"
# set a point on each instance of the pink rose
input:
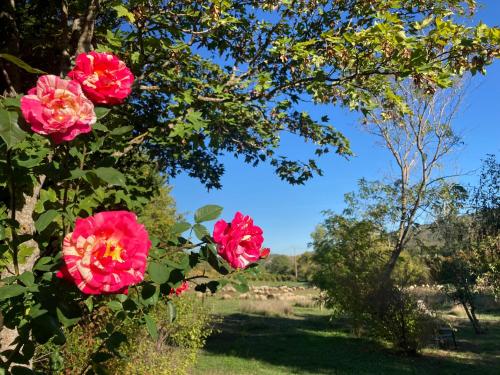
(104, 77)
(106, 253)
(240, 242)
(58, 108)
(178, 291)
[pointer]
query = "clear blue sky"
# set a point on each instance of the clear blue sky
(288, 214)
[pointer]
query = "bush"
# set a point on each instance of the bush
(350, 256)
(174, 352)
(176, 349)
(82, 341)
(397, 316)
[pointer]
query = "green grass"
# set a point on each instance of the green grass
(308, 343)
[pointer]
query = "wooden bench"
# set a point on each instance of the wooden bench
(445, 336)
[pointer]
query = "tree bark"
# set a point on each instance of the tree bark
(87, 28)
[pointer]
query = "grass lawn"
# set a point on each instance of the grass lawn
(307, 343)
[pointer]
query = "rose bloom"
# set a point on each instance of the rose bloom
(106, 253)
(104, 77)
(239, 242)
(58, 108)
(178, 291)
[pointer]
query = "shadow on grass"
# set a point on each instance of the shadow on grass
(309, 344)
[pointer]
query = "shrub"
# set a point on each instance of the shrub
(396, 316)
(351, 256)
(82, 341)
(176, 349)
(173, 353)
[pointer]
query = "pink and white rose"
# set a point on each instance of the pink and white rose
(106, 253)
(58, 108)
(239, 242)
(104, 77)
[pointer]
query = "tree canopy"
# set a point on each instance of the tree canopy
(228, 76)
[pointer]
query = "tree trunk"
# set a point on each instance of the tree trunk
(472, 317)
(26, 226)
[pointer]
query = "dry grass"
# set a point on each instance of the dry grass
(458, 311)
(306, 303)
(267, 308)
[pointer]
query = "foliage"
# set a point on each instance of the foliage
(280, 265)
(306, 267)
(485, 213)
(395, 315)
(82, 341)
(468, 227)
(228, 76)
(454, 263)
(416, 128)
(182, 339)
(50, 186)
(350, 256)
(159, 215)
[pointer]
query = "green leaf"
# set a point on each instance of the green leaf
(148, 291)
(10, 131)
(158, 272)
(101, 112)
(242, 288)
(43, 264)
(151, 327)
(207, 213)
(124, 12)
(213, 286)
(27, 278)
(31, 162)
(14, 102)
(122, 130)
(99, 126)
(172, 311)
(200, 231)
(9, 291)
(45, 219)
(150, 294)
(115, 305)
(66, 322)
(45, 327)
(76, 174)
(20, 63)
(113, 40)
(111, 176)
(36, 310)
(181, 227)
(100, 357)
(89, 302)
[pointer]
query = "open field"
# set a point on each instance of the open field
(305, 341)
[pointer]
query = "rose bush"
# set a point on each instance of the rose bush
(84, 227)
(106, 253)
(103, 76)
(58, 108)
